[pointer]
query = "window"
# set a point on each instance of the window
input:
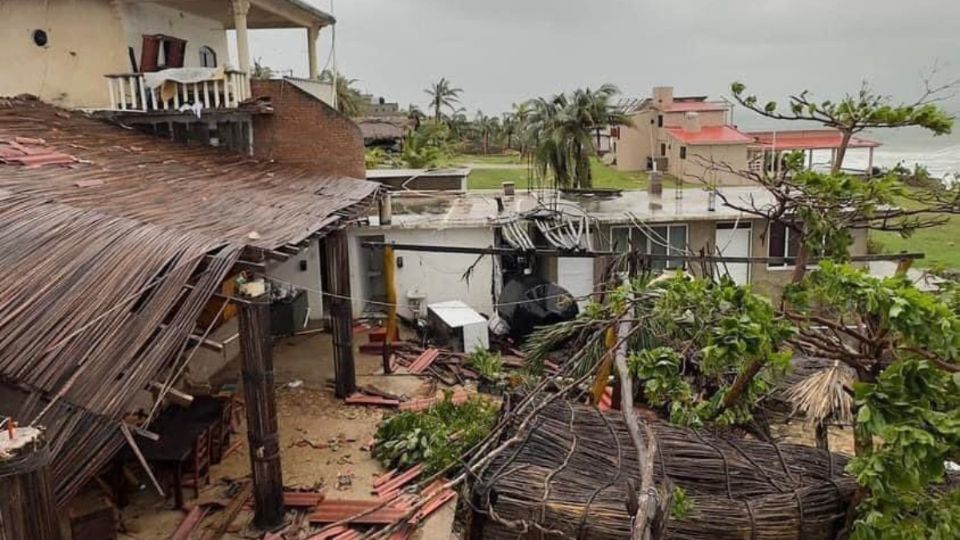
(663, 149)
(683, 152)
(783, 243)
(653, 240)
(659, 120)
(208, 57)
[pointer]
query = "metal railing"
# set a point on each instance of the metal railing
(128, 92)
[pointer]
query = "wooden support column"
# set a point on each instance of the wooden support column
(256, 353)
(341, 312)
(27, 507)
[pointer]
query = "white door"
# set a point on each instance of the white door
(733, 240)
(575, 274)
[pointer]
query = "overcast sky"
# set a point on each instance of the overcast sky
(504, 51)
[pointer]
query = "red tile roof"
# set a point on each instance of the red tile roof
(710, 135)
(695, 106)
(808, 139)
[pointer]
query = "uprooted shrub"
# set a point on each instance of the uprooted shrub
(436, 436)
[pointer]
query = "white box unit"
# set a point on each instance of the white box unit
(458, 326)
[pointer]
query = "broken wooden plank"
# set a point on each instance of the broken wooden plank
(230, 513)
(189, 523)
(363, 399)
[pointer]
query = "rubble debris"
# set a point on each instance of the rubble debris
(390, 486)
(458, 397)
(357, 511)
(424, 360)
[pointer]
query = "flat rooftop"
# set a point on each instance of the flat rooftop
(479, 208)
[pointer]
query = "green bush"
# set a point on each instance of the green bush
(436, 437)
(488, 365)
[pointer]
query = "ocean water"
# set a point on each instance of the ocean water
(939, 154)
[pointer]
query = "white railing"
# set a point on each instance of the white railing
(129, 93)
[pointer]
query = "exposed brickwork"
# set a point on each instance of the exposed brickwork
(306, 131)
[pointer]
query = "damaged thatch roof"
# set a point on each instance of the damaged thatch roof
(110, 257)
(570, 476)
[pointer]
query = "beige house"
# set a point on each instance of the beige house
(112, 54)
(691, 139)
(681, 136)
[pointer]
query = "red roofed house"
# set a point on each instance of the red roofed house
(679, 135)
(692, 139)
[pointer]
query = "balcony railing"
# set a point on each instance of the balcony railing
(128, 92)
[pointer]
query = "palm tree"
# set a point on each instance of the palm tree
(442, 95)
(415, 115)
(349, 100)
(486, 127)
(559, 134)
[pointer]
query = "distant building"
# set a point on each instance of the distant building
(379, 106)
(385, 132)
(693, 139)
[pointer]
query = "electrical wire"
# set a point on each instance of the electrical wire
(410, 307)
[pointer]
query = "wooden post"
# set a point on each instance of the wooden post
(27, 507)
(341, 313)
(390, 282)
(256, 352)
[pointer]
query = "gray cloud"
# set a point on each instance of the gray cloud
(504, 51)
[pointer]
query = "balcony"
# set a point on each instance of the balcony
(188, 91)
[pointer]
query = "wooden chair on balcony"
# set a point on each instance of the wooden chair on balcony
(198, 465)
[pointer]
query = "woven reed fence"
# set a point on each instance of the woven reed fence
(569, 479)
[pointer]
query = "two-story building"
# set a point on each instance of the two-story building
(694, 140)
(163, 65)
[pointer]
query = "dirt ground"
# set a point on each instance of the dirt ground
(308, 413)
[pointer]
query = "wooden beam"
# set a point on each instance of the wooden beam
(642, 256)
(256, 354)
(173, 395)
(337, 268)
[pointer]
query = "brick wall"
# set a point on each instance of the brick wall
(306, 131)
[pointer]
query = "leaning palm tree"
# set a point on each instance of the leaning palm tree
(349, 100)
(443, 95)
(559, 133)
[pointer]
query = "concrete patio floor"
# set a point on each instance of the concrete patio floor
(307, 411)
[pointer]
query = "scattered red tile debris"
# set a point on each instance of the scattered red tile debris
(460, 396)
(356, 511)
(329, 533)
(432, 505)
(302, 499)
(366, 399)
(189, 523)
(393, 484)
(348, 535)
(424, 361)
(32, 153)
(606, 399)
(379, 481)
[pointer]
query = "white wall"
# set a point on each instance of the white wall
(436, 275)
(149, 18)
(289, 272)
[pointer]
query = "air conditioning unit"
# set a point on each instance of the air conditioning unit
(457, 326)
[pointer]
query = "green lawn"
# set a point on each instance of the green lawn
(492, 159)
(939, 244)
(603, 177)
